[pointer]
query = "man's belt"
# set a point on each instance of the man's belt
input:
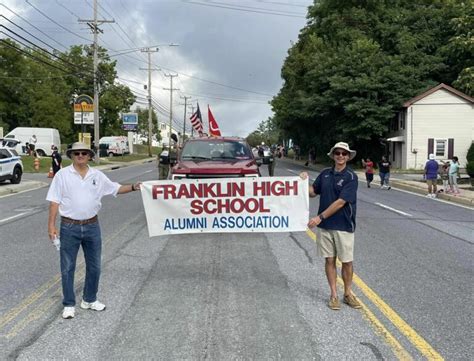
(75, 221)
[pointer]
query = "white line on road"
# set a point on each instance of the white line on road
(393, 209)
(12, 217)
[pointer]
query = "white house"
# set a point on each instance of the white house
(439, 121)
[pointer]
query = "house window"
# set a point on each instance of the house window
(403, 115)
(441, 147)
(163, 126)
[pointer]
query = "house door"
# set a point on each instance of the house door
(396, 154)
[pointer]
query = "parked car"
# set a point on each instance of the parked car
(215, 157)
(11, 166)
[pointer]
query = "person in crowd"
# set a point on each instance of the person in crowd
(336, 220)
(431, 175)
(369, 170)
(445, 178)
(56, 159)
(384, 173)
(453, 175)
(75, 193)
(32, 144)
(312, 155)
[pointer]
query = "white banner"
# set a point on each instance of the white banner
(267, 204)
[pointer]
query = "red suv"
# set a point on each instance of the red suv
(215, 157)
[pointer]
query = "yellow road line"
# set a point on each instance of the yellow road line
(396, 347)
(416, 340)
(33, 297)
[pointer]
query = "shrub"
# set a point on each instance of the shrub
(470, 161)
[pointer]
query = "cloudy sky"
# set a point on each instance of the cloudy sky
(229, 56)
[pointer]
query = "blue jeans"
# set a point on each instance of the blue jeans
(72, 237)
(384, 179)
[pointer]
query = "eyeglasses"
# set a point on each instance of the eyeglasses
(81, 153)
(340, 153)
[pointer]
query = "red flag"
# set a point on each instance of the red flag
(213, 127)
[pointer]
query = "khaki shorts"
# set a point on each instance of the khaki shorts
(431, 182)
(333, 243)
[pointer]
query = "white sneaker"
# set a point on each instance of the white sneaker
(68, 312)
(96, 306)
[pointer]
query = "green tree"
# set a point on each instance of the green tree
(356, 62)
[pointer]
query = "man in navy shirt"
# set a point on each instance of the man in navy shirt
(336, 220)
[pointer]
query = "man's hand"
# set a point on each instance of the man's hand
(304, 175)
(137, 186)
(313, 222)
(52, 233)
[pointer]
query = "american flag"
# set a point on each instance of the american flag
(196, 120)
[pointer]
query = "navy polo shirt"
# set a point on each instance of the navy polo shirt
(332, 185)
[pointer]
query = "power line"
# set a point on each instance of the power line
(42, 32)
(244, 9)
(55, 22)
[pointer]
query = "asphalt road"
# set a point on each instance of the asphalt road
(242, 296)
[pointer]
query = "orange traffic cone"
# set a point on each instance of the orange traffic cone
(36, 164)
(50, 173)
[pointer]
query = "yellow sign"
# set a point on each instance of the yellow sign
(84, 107)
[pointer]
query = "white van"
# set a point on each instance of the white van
(46, 137)
(115, 145)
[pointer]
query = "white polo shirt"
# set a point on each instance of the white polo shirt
(80, 198)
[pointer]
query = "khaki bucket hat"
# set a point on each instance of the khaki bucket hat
(79, 146)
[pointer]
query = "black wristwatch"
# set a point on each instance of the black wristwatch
(321, 217)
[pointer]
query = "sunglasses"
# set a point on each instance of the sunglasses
(340, 153)
(80, 153)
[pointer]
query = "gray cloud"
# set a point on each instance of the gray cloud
(237, 47)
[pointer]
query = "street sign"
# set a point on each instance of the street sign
(84, 110)
(130, 121)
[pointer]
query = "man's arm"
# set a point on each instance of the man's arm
(127, 188)
(53, 212)
(328, 212)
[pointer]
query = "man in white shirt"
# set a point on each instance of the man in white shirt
(76, 192)
(32, 144)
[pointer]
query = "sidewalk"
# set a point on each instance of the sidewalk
(405, 181)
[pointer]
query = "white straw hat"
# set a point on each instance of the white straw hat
(345, 146)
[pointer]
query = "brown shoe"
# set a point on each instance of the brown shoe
(334, 304)
(352, 301)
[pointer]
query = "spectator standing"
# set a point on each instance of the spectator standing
(32, 144)
(445, 177)
(76, 192)
(312, 155)
(431, 175)
(453, 175)
(384, 173)
(336, 220)
(56, 159)
(369, 170)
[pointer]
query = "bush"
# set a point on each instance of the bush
(470, 161)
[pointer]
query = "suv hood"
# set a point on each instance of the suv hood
(229, 166)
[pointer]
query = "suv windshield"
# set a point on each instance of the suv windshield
(215, 150)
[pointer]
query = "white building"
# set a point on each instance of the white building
(439, 121)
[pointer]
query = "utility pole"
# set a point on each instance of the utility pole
(94, 25)
(184, 119)
(171, 89)
(149, 51)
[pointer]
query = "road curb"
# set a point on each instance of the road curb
(6, 189)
